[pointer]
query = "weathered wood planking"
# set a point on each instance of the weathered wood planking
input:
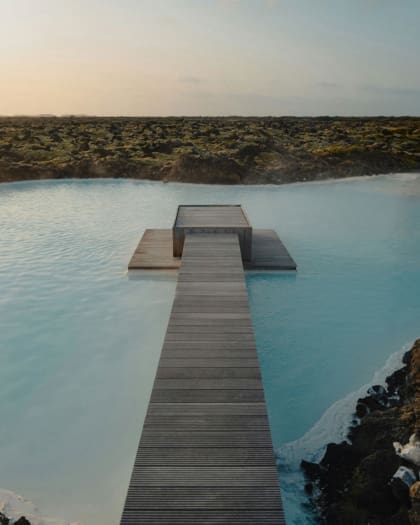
(269, 253)
(205, 455)
(212, 218)
(154, 252)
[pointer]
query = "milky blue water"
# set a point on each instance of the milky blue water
(80, 340)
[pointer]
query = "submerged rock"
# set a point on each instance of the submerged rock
(374, 478)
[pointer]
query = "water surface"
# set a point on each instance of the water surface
(79, 340)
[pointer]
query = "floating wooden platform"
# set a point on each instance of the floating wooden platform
(205, 454)
(155, 252)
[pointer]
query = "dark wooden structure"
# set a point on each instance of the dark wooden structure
(228, 218)
(205, 455)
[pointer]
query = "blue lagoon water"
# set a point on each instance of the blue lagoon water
(80, 340)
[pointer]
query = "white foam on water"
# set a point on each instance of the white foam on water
(332, 427)
(14, 506)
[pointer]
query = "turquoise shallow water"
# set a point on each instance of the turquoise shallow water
(79, 340)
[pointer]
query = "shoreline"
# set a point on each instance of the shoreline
(332, 426)
(357, 480)
(415, 172)
(16, 510)
(319, 178)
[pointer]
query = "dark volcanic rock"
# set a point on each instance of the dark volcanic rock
(3, 519)
(370, 489)
(254, 150)
(337, 465)
(354, 479)
(362, 409)
(206, 169)
(313, 471)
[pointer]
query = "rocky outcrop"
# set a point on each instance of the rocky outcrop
(4, 520)
(206, 169)
(372, 478)
(222, 150)
(85, 169)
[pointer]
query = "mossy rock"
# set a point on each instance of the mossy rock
(369, 486)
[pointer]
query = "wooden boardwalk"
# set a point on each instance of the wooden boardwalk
(154, 252)
(205, 454)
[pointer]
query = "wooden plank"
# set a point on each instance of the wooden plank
(206, 396)
(208, 363)
(225, 337)
(208, 353)
(195, 422)
(220, 322)
(200, 383)
(205, 454)
(201, 517)
(238, 409)
(154, 252)
(260, 476)
(212, 348)
(208, 372)
(214, 345)
(210, 216)
(203, 497)
(210, 438)
(269, 253)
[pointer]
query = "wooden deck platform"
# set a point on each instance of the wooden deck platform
(154, 252)
(205, 454)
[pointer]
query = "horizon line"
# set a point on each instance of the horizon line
(87, 115)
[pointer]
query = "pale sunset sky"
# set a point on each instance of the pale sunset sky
(210, 57)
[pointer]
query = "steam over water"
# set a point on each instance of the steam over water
(80, 341)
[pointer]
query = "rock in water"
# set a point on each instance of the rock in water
(366, 482)
(3, 519)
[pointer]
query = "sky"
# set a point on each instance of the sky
(210, 57)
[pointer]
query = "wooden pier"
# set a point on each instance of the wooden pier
(155, 252)
(205, 454)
